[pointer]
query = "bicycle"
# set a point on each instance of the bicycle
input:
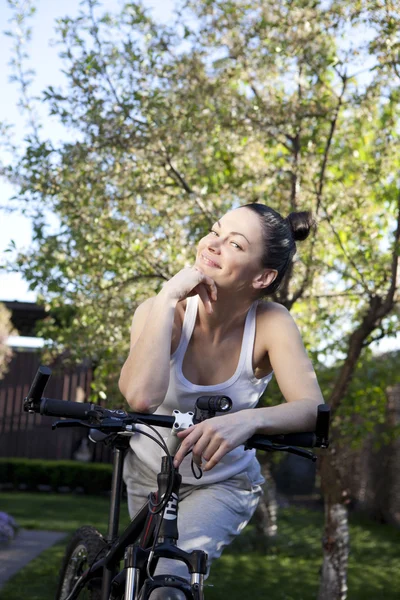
(91, 564)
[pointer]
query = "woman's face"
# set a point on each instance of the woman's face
(231, 253)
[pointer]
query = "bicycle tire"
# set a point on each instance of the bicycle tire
(85, 546)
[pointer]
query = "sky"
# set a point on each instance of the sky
(47, 65)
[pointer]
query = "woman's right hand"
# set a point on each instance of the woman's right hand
(189, 282)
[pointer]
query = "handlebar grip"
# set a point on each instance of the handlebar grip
(322, 424)
(39, 383)
(65, 408)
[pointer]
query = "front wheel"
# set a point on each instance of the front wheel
(84, 548)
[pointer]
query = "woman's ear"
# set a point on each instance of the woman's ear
(265, 279)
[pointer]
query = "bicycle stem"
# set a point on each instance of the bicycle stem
(182, 422)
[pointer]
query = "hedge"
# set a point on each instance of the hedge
(92, 478)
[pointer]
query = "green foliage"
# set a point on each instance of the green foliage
(93, 478)
(171, 125)
(241, 571)
(365, 406)
(60, 512)
(363, 410)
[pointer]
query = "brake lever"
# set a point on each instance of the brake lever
(269, 446)
(303, 453)
(109, 425)
(298, 451)
(69, 423)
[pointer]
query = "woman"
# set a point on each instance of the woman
(208, 332)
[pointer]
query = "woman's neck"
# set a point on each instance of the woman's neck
(227, 316)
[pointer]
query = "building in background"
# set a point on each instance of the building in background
(30, 435)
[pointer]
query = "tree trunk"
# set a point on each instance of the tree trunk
(333, 584)
(266, 514)
(267, 509)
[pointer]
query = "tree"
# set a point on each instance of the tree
(6, 329)
(233, 103)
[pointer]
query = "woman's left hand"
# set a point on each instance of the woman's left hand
(213, 438)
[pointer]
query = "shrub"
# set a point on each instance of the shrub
(93, 478)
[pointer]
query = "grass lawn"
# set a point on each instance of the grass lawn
(287, 570)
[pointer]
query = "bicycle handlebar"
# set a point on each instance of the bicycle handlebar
(34, 402)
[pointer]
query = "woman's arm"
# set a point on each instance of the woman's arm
(295, 376)
(144, 377)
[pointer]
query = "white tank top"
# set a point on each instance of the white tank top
(243, 388)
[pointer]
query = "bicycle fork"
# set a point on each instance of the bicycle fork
(136, 558)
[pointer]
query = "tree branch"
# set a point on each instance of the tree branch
(94, 32)
(361, 280)
(321, 179)
(378, 309)
(182, 182)
(389, 300)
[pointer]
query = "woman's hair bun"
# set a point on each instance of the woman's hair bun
(301, 224)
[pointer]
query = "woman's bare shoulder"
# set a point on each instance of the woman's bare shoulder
(272, 320)
(269, 310)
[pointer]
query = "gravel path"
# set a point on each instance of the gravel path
(25, 547)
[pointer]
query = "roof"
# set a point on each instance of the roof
(24, 315)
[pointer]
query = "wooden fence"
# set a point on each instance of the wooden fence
(30, 435)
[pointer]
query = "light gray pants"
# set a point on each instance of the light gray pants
(209, 517)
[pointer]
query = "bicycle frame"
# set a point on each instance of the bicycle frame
(136, 556)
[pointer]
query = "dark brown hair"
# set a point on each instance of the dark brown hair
(280, 236)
